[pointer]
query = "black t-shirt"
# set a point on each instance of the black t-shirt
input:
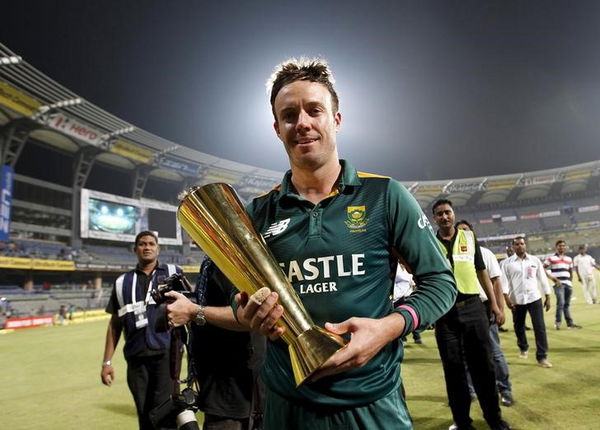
(222, 358)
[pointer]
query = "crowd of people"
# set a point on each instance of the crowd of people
(364, 235)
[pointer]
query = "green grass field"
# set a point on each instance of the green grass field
(50, 380)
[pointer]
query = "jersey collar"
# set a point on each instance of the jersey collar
(349, 177)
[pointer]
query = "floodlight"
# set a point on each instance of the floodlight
(13, 59)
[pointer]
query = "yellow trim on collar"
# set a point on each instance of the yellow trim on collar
(370, 175)
(275, 188)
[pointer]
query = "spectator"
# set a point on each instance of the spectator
(584, 266)
(559, 268)
(523, 272)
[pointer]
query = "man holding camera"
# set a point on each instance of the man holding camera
(133, 312)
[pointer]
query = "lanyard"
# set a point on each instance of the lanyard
(150, 287)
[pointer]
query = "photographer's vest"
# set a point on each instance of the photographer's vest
(463, 262)
(137, 311)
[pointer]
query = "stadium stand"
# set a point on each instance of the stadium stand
(62, 148)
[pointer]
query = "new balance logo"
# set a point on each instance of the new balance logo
(276, 228)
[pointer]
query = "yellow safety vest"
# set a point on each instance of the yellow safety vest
(463, 255)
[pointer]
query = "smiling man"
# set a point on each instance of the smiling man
(338, 234)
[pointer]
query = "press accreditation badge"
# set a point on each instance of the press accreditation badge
(141, 316)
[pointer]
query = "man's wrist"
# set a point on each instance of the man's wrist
(198, 315)
(107, 363)
(410, 317)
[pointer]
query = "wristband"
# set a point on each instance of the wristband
(106, 363)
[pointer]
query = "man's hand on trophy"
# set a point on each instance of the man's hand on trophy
(181, 311)
(261, 312)
(367, 337)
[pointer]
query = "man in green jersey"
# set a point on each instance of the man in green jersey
(337, 234)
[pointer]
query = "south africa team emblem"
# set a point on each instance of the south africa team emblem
(357, 217)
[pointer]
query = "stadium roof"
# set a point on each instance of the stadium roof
(61, 118)
(67, 121)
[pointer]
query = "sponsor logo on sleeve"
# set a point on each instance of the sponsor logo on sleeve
(423, 222)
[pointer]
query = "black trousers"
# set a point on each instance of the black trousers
(150, 383)
(536, 311)
(463, 334)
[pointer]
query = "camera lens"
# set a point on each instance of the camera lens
(186, 420)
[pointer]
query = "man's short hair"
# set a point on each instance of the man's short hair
(558, 242)
(143, 234)
(518, 238)
(303, 69)
(582, 247)
(441, 202)
(465, 222)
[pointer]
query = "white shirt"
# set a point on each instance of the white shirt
(585, 264)
(493, 269)
(522, 276)
(402, 283)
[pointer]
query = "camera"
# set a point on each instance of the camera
(176, 282)
(180, 408)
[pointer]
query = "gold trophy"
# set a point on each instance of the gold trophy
(216, 220)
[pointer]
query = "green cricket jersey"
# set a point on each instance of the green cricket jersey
(337, 255)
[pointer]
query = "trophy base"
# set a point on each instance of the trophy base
(310, 350)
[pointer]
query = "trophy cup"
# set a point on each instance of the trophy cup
(216, 220)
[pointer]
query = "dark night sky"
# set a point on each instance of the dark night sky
(429, 90)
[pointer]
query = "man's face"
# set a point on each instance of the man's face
(306, 123)
(146, 250)
(509, 251)
(561, 248)
(443, 216)
(519, 247)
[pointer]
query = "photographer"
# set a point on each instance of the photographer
(134, 312)
(225, 356)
